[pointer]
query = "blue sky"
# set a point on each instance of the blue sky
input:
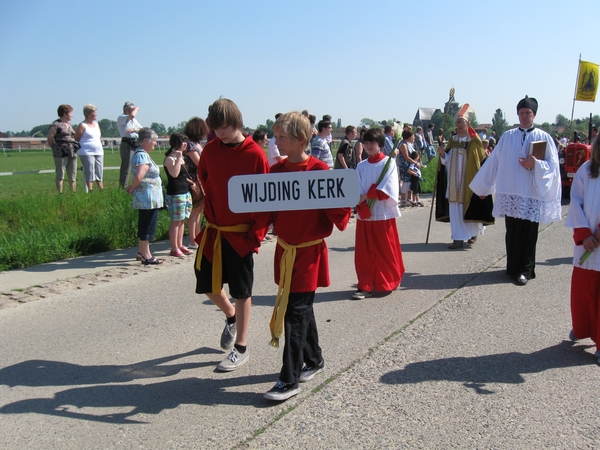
(350, 59)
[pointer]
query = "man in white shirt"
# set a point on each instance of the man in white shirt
(320, 147)
(528, 189)
(128, 127)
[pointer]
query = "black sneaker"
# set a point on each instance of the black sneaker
(360, 294)
(308, 373)
(282, 391)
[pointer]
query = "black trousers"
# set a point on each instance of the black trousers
(521, 240)
(301, 337)
(126, 152)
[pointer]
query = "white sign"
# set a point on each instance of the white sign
(315, 189)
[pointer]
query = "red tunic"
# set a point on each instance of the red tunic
(218, 164)
(311, 267)
(377, 255)
(585, 297)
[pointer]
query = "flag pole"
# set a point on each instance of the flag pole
(574, 97)
(451, 96)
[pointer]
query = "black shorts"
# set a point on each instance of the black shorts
(415, 185)
(238, 272)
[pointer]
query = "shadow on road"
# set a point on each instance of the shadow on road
(37, 372)
(139, 398)
(142, 399)
(476, 372)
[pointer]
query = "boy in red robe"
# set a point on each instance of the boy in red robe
(377, 255)
(299, 234)
(228, 242)
(584, 218)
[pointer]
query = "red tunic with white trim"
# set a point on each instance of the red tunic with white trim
(377, 255)
(584, 218)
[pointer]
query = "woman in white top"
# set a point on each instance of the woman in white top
(91, 152)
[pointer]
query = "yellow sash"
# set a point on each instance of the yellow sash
(217, 264)
(286, 266)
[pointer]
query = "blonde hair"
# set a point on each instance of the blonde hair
(89, 109)
(295, 124)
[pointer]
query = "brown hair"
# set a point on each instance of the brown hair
(64, 109)
(224, 113)
(196, 129)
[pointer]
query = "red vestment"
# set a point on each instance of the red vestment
(377, 254)
(311, 267)
(585, 296)
(218, 164)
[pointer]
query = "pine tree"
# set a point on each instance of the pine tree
(499, 123)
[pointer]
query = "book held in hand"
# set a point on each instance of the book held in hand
(538, 149)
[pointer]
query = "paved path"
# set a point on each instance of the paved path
(458, 357)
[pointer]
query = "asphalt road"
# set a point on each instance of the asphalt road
(458, 357)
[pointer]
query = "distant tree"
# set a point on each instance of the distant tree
(108, 128)
(369, 123)
(159, 128)
(473, 120)
(176, 129)
(40, 130)
(499, 123)
(22, 133)
(546, 127)
(562, 121)
(181, 126)
(339, 124)
(267, 127)
(438, 120)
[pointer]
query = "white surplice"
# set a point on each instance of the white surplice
(584, 212)
(520, 193)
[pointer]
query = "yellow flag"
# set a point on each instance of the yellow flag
(587, 84)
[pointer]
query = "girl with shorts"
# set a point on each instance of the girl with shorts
(178, 199)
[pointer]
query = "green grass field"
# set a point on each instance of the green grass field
(14, 161)
(39, 225)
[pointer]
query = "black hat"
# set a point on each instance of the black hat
(528, 102)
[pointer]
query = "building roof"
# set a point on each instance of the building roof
(424, 114)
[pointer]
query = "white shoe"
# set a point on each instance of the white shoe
(234, 360)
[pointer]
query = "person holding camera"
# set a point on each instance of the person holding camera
(128, 130)
(178, 200)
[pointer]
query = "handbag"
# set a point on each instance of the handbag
(195, 189)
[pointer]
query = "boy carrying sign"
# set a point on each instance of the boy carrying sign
(302, 251)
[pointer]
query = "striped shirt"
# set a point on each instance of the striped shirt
(322, 151)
